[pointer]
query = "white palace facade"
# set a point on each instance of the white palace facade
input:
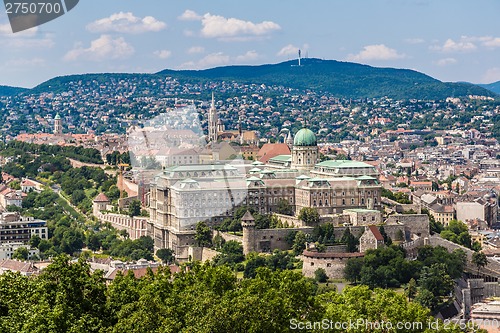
(183, 195)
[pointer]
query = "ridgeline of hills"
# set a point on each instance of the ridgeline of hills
(495, 87)
(342, 79)
(10, 91)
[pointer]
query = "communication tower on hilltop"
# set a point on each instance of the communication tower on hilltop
(300, 54)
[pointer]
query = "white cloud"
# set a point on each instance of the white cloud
(220, 59)
(491, 75)
(446, 61)
(376, 52)
(288, 50)
(190, 15)
(216, 26)
(28, 43)
(162, 54)
(291, 50)
(414, 40)
(247, 57)
(214, 59)
(24, 63)
(196, 49)
(491, 42)
(465, 44)
(26, 39)
(126, 23)
(6, 30)
(103, 48)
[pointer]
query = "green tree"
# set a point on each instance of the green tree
(436, 280)
(203, 235)
(254, 261)
(218, 241)
(359, 302)
(350, 241)
(480, 260)
(352, 270)
(309, 216)
(35, 240)
(427, 299)
(387, 239)
(284, 207)
(165, 255)
(93, 242)
(299, 243)
(232, 253)
(411, 289)
(21, 253)
(320, 275)
(457, 232)
(134, 208)
(77, 197)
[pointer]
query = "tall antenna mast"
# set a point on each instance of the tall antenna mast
(300, 53)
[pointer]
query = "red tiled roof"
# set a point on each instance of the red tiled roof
(376, 233)
(138, 272)
(17, 266)
(141, 272)
(101, 198)
(315, 254)
(270, 150)
(420, 183)
(27, 182)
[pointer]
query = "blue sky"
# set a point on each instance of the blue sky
(451, 40)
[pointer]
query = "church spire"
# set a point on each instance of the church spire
(213, 122)
(289, 140)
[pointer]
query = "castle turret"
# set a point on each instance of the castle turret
(248, 224)
(100, 203)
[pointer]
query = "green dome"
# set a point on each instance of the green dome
(305, 137)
